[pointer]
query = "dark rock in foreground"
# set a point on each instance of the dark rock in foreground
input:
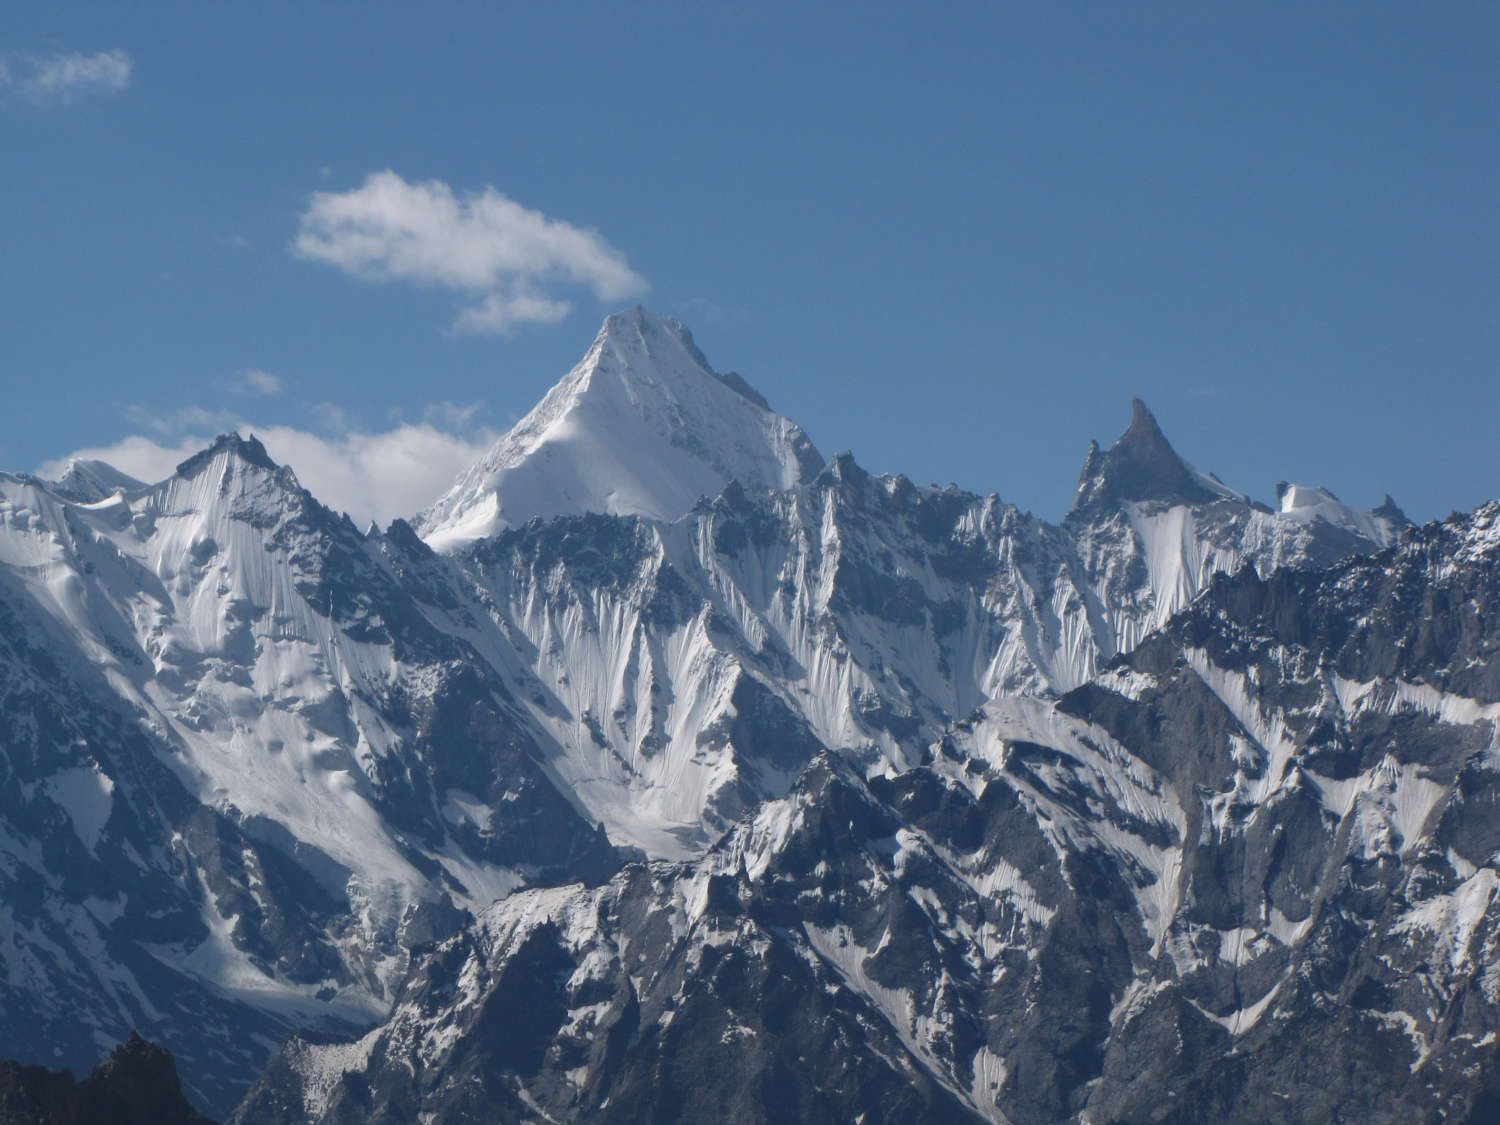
(136, 1085)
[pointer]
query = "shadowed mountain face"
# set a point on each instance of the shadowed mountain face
(1140, 466)
(794, 793)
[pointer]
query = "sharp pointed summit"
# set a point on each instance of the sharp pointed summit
(1142, 465)
(642, 426)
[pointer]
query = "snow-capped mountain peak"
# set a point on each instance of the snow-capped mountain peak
(641, 426)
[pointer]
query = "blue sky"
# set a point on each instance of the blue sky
(955, 242)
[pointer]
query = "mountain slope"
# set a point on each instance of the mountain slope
(1248, 874)
(686, 669)
(258, 764)
(244, 771)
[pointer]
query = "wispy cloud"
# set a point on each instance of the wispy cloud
(453, 415)
(255, 383)
(508, 259)
(64, 77)
(377, 475)
(195, 418)
(700, 310)
(500, 313)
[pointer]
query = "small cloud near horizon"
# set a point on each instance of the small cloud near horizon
(255, 383)
(185, 418)
(371, 475)
(507, 260)
(65, 77)
(711, 313)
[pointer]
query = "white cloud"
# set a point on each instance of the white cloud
(703, 311)
(483, 244)
(66, 76)
(499, 313)
(377, 476)
(136, 456)
(256, 383)
(451, 415)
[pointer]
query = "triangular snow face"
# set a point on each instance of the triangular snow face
(642, 426)
(1142, 465)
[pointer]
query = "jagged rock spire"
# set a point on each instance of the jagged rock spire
(1141, 465)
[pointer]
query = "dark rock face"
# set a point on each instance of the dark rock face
(136, 1085)
(1142, 465)
(670, 994)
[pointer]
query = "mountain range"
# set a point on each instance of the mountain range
(666, 770)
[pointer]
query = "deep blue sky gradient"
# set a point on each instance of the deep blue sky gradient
(954, 241)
